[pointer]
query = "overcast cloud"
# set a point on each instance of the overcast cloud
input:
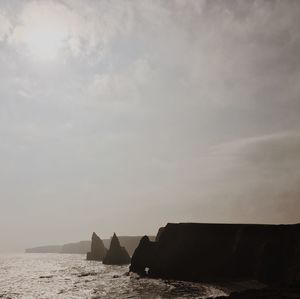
(125, 115)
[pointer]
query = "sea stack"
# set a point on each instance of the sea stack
(116, 255)
(98, 251)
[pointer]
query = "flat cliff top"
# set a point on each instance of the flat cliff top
(229, 224)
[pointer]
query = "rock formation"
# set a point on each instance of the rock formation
(98, 251)
(282, 292)
(116, 255)
(210, 252)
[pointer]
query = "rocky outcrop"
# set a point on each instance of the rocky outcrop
(98, 251)
(284, 292)
(210, 252)
(144, 256)
(116, 255)
(161, 229)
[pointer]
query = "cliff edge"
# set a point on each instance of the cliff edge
(211, 252)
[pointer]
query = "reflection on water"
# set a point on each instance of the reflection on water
(46, 276)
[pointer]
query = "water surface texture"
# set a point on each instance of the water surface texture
(46, 276)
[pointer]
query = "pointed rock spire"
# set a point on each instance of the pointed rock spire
(116, 255)
(115, 243)
(98, 251)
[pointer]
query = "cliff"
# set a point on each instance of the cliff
(98, 251)
(76, 248)
(210, 252)
(282, 292)
(116, 255)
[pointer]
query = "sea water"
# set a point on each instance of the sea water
(65, 276)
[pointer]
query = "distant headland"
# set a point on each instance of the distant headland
(83, 247)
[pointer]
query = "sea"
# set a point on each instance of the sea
(66, 276)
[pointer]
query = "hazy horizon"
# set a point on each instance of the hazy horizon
(121, 116)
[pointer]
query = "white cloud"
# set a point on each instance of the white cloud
(140, 92)
(5, 26)
(80, 28)
(124, 85)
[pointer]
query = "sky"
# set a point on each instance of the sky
(121, 116)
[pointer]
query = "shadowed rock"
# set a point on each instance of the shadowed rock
(210, 252)
(283, 292)
(98, 251)
(116, 255)
(144, 256)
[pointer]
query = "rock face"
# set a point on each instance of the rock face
(210, 252)
(116, 255)
(98, 251)
(285, 292)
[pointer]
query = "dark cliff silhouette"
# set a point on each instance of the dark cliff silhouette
(98, 251)
(210, 252)
(277, 292)
(116, 255)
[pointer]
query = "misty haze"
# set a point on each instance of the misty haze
(149, 149)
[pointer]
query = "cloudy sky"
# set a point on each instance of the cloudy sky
(125, 115)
